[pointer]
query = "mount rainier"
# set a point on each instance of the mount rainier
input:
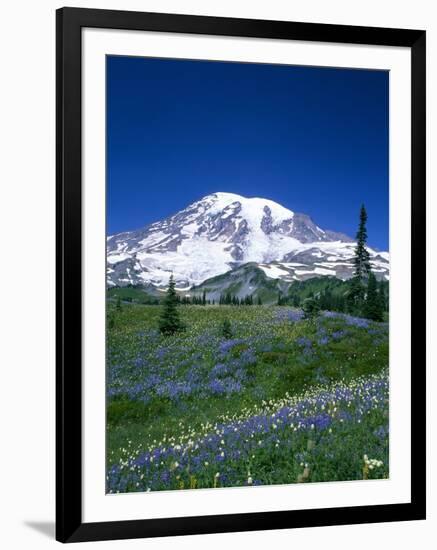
(221, 233)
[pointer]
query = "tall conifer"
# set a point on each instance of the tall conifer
(361, 265)
(170, 322)
(362, 258)
(373, 308)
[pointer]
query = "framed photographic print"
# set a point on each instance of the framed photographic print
(240, 274)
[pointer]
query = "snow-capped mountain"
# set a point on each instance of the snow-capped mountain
(223, 231)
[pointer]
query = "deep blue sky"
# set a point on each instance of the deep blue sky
(313, 139)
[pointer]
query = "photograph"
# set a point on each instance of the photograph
(247, 274)
(219, 211)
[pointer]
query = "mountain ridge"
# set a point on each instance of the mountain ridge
(223, 231)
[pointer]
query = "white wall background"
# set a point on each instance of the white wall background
(27, 278)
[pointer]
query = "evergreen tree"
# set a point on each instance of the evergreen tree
(355, 299)
(373, 308)
(204, 298)
(362, 258)
(118, 304)
(111, 321)
(170, 322)
(260, 303)
(382, 287)
(226, 329)
(326, 300)
(311, 308)
(340, 304)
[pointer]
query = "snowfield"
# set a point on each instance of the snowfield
(225, 230)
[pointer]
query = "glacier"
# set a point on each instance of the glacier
(222, 231)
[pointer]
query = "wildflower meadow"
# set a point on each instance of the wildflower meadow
(244, 396)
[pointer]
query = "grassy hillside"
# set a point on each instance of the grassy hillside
(283, 400)
(249, 279)
(242, 281)
(134, 294)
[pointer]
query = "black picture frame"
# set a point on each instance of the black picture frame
(69, 525)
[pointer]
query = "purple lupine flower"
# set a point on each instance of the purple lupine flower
(304, 342)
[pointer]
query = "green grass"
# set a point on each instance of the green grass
(280, 361)
(131, 294)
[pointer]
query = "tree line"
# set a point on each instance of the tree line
(337, 299)
(225, 299)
